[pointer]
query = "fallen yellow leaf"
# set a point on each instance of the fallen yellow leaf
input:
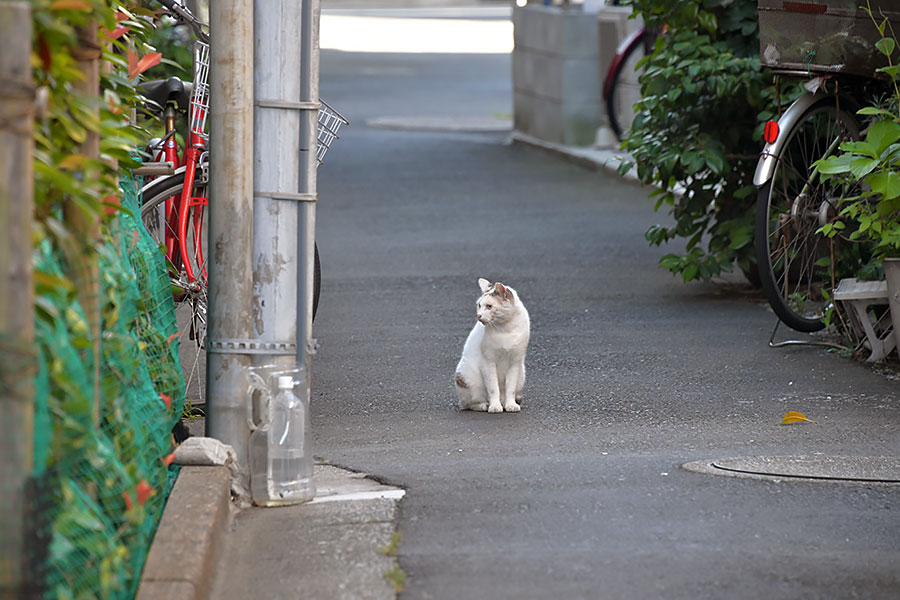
(792, 416)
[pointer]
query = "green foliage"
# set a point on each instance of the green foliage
(176, 45)
(64, 175)
(873, 165)
(100, 459)
(705, 100)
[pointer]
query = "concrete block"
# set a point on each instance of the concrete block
(579, 123)
(537, 116)
(580, 80)
(184, 553)
(538, 73)
(553, 30)
(556, 76)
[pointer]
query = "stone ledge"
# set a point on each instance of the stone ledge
(185, 550)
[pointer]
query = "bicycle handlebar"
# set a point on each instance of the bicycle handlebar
(186, 15)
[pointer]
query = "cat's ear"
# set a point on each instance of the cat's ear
(502, 291)
(484, 284)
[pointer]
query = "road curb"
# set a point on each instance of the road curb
(595, 159)
(185, 550)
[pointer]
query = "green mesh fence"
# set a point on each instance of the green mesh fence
(100, 471)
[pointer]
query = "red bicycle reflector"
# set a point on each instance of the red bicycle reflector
(770, 133)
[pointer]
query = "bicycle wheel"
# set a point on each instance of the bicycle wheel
(191, 299)
(797, 266)
(620, 112)
(317, 280)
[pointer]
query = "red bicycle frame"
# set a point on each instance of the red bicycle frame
(178, 209)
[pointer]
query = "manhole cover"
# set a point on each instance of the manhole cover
(862, 469)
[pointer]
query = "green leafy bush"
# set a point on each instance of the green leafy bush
(697, 129)
(872, 216)
(102, 431)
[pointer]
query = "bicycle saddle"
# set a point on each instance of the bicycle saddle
(164, 91)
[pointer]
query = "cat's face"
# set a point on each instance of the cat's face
(496, 303)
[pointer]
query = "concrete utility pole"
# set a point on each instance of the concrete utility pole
(230, 318)
(278, 112)
(17, 301)
(286, 79)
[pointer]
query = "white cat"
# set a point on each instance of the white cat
(491, 372)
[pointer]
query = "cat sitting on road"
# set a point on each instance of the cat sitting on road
(491, 372)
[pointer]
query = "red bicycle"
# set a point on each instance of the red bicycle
(630, 51)
(175, 201)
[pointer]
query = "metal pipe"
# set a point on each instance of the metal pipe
(309, 92)
(230, 317)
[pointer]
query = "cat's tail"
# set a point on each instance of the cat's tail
(471, 396)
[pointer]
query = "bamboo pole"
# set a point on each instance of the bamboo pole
(86, 276)
(16, 303)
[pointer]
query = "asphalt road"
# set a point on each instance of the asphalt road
(630, 374)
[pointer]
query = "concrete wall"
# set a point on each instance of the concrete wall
(559, 65)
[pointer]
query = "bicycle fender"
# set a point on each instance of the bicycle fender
(622, 51)
(148, 187)
(768, 158)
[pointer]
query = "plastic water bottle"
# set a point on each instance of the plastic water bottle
(285, 476)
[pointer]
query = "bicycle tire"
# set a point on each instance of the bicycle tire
(791, 207)
(626, 59)
(173, 184)
(191, 300)
(317, 280)
(190, 297)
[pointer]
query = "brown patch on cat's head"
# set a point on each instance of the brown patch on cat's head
(495, 289)
(502, 292)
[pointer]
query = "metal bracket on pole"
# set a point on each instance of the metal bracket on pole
(294, 196)
(241, 346)
(288, 104)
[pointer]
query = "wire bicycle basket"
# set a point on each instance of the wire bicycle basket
(330, 122)
(200, 92)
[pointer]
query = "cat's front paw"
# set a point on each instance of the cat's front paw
(495, 408)
(512, 407)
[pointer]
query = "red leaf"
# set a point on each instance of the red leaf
(127, 498)
(116, 33)
(132, 64)
(71, 5)
(113, 107)
(144, 490)
(136, 67)
(111, 204)
(44, 53)
(167, 460)
(167, 400)
(120, 16)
